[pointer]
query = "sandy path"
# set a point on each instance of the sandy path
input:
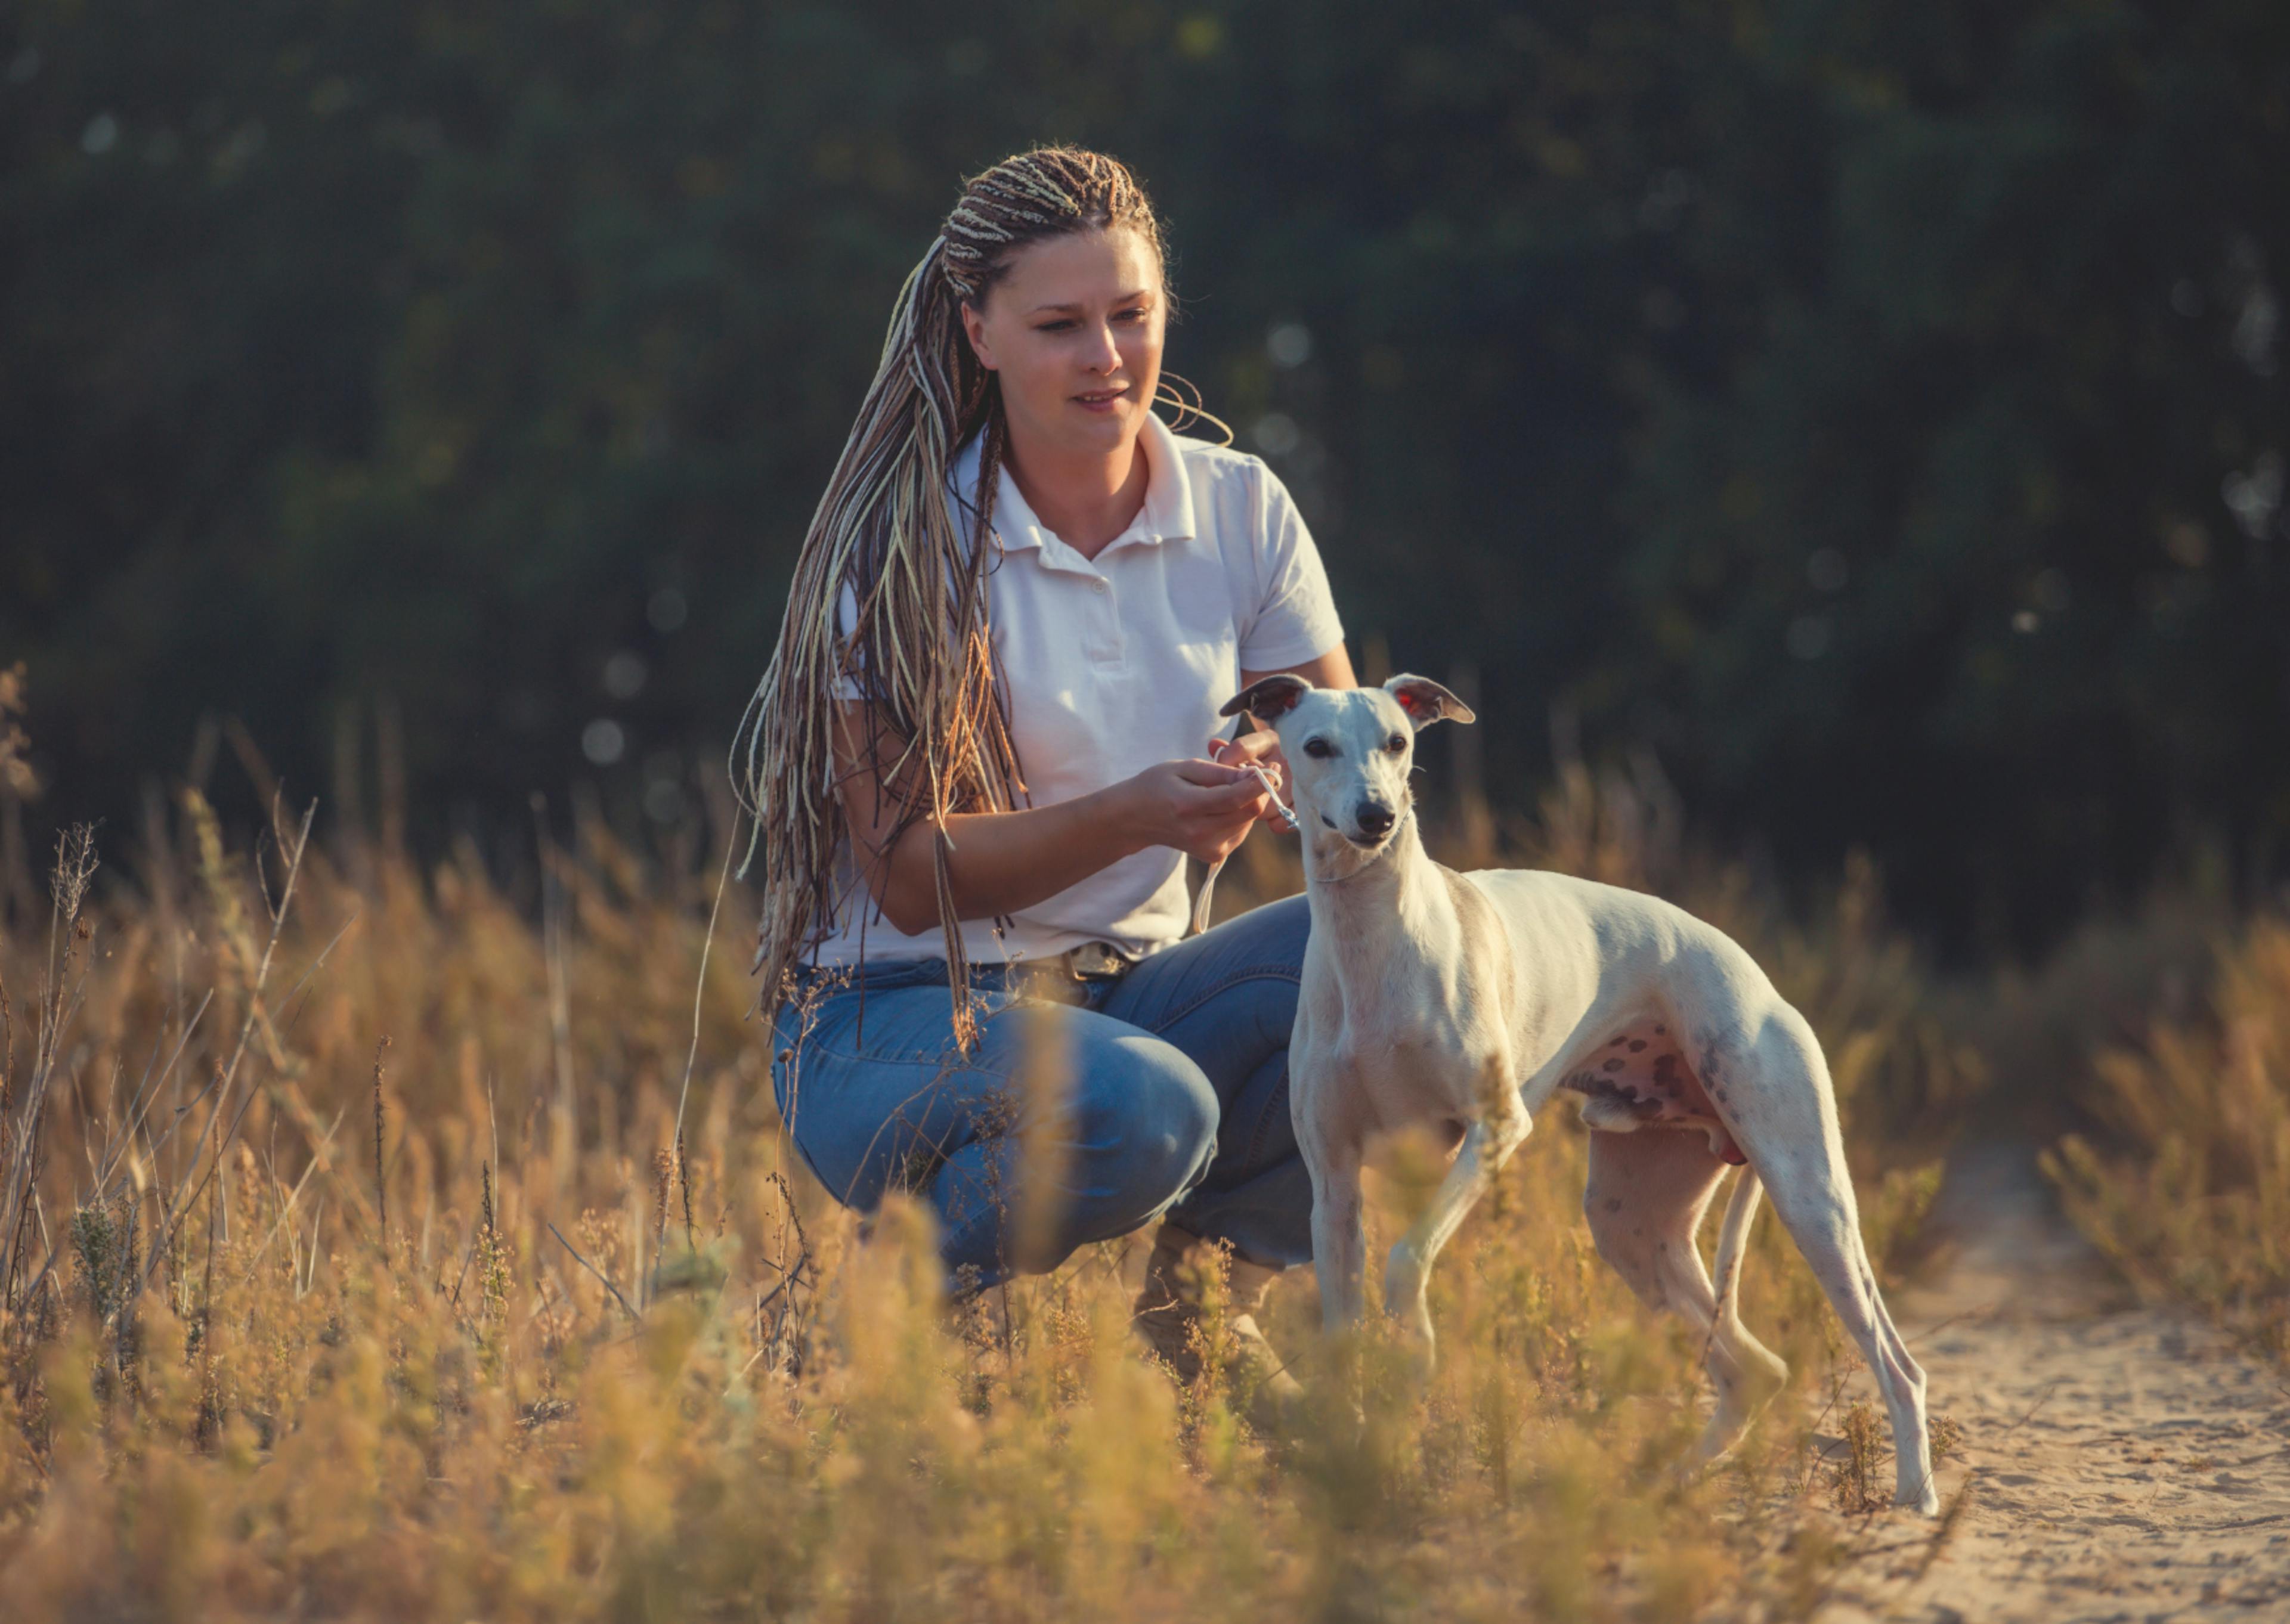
(2126, 1463)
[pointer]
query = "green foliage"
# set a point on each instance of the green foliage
(1875, 407)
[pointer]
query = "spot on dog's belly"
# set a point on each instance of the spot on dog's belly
(1639, 1079)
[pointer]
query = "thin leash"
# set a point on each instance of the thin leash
(1288, 819)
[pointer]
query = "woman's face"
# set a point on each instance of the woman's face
(1073, 330)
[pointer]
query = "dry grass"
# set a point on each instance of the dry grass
(2187, 1190)
(296, 1325)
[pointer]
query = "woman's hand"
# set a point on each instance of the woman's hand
(1204, 809)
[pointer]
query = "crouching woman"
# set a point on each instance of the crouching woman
(987, 743)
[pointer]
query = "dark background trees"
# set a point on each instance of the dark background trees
(1876, 410)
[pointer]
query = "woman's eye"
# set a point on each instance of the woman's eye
(1317, 749)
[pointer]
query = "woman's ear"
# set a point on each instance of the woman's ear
(974, 326)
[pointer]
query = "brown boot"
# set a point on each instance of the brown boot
(1169, 1316)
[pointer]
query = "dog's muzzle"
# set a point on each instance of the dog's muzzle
(1376, 821)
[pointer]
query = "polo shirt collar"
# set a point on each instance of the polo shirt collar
(1168, 515)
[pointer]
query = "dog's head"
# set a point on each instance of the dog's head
(1350, 749)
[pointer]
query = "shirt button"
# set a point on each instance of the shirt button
(1097, 586)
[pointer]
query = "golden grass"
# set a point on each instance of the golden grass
(586, 1368)
(2187, 1190)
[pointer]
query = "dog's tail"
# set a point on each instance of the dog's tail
(1732, 1242)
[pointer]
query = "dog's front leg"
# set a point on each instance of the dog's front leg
(1485, 1147)
(1339, 1252)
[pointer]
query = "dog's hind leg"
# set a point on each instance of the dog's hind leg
(1486, 1147)
(1756, 1373)
(1785, 1121)
(1644, 1199)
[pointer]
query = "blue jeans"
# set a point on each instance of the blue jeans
(1174, 1104)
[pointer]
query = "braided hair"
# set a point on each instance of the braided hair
(885, 532)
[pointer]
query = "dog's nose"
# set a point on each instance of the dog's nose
(1374, 818)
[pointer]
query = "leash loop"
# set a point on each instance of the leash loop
(1287, 817)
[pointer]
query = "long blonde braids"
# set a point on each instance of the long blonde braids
(885, 530)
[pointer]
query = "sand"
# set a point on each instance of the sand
(2124, 1461)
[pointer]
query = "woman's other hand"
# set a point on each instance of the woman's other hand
(1262, 748)
(1204, 809)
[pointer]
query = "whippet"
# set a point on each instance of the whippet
(1465, 1001)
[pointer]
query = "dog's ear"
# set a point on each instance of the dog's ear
(1274, 697)
(1425, 701)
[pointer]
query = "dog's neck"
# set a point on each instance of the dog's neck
(1375, 908)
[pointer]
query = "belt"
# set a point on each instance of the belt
(1066, 977)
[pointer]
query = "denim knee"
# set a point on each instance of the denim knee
(1149, 1115)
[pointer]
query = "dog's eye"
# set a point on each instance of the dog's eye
(1318, 749)
(1395, 744)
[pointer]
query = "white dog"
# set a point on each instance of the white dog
(1464, 1002)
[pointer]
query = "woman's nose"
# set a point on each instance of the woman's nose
(1105, 354)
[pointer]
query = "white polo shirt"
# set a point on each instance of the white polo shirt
(1114, 663)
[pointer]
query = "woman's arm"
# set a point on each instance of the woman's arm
(1333, 669)
(1005, 862)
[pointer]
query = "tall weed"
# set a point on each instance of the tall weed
(2189, 1190)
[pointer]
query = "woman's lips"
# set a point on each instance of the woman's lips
(1099, 400)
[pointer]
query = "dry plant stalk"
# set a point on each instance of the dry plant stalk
(380, 1175)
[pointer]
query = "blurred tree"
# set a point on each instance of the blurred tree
(1973, 547)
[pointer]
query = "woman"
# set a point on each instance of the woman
(985, 747)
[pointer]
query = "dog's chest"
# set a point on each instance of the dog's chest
(1407, 1004)
(1406, 1045)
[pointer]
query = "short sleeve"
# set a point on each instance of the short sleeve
(1295, 619)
